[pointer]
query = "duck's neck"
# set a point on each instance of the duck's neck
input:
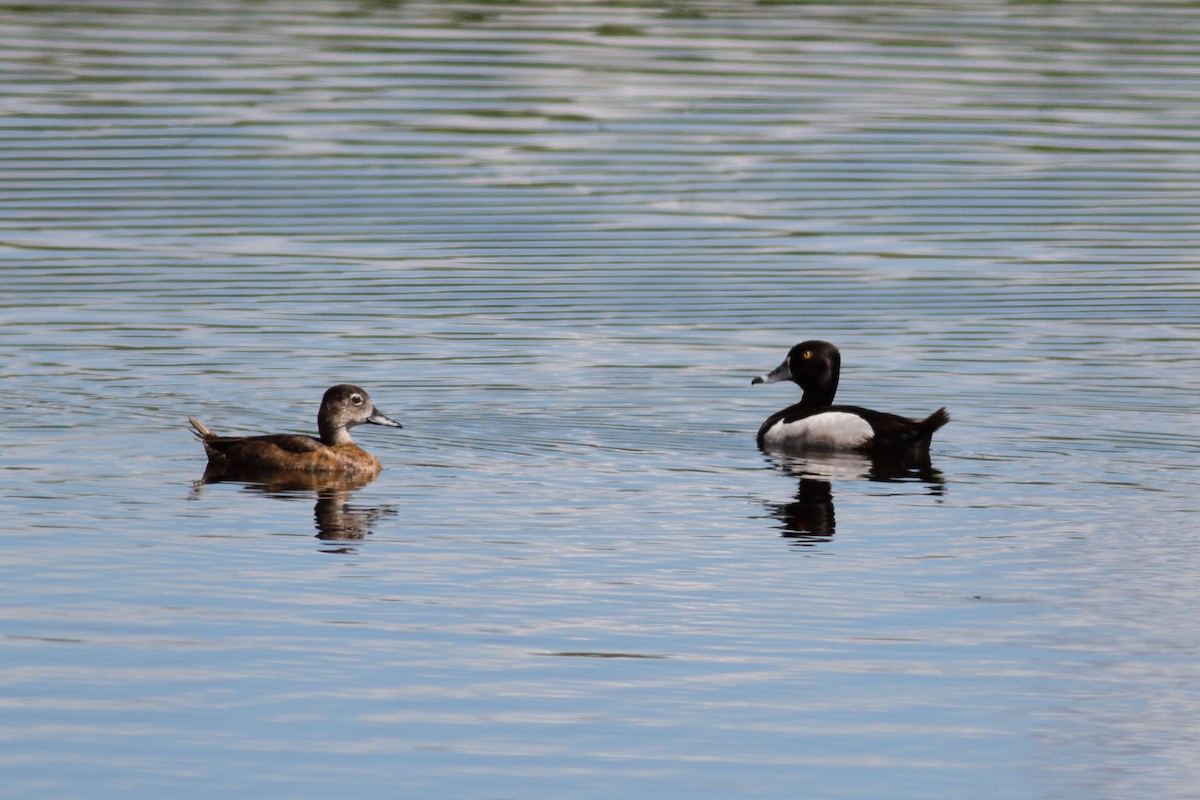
(333, 435)
(819, 395)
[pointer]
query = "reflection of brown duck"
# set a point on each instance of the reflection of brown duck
(335, 518)
(285, 482)
(264, 458)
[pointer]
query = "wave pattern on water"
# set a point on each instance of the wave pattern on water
(556, 241)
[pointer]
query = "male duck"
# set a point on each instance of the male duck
(816, 424)
(342, 407)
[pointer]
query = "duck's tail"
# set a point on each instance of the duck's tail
(200, 431)
(931, 423)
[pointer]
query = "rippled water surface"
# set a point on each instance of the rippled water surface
(556, 241)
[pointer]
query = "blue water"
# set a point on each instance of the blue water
(557, 242)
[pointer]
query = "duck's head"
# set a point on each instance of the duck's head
(814, 366)
(345, 406)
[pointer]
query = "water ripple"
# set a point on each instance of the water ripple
(557, 241)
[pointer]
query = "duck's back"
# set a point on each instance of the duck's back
(271, 448)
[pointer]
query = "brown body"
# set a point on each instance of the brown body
(283, 453)
(248, 457)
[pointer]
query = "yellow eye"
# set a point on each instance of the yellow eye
(807, 354)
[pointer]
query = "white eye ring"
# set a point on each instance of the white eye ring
(356, 399)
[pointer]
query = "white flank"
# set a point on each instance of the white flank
(832, 430)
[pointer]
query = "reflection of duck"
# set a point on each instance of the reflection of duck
(815, 424)
(335, 518)
(881, 467)
(809, 518)
(251, 457)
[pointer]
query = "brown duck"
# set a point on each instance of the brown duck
(334, 452)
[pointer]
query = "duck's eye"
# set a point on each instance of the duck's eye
(807, 354)
(356, 399)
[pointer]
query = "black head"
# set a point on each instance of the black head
(814, 366)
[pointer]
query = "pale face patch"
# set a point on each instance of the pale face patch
(831, 430)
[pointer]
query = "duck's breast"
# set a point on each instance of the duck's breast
(825, 430)
(349, 458)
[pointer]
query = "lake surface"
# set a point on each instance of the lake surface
(557, 241)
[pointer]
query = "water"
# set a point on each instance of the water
(556, 242)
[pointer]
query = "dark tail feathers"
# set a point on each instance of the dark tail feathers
(934, 421)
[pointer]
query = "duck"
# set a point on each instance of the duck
(333, 453)
(816, 424)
